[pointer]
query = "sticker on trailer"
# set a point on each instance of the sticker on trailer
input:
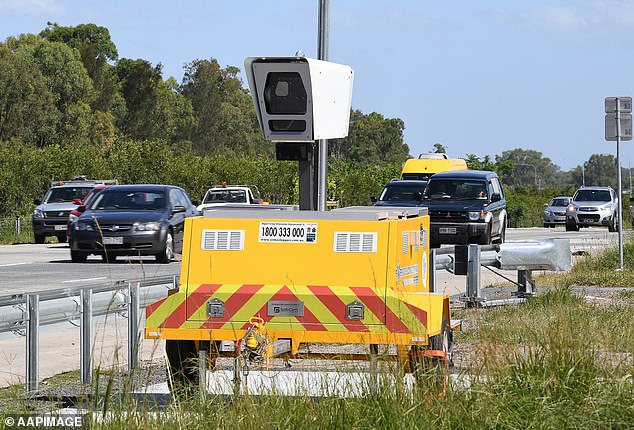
(288, 232)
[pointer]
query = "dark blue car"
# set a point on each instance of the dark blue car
(132, 220)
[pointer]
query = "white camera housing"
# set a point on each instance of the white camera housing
(300, 99)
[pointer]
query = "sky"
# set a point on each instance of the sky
(479, 77)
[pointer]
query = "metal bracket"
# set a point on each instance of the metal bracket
(355, 311)
(215, 308)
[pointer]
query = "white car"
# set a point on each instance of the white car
(593, 206)
(223, 195)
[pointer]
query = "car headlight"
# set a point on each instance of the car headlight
(148, 226)
(38, 213)
(83, 226)
(476, 216)
(571, 208)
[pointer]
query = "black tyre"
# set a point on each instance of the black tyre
(546, 225)
(612, 227)
(182, 358)
(61, 238)
(500, 240)
(166, 255)
(78, 257)
(39, 238)
(572, 227)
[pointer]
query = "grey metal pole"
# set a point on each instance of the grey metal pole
(618, 179)
(133, 326)
(85, 340)
(32, 342)
(473, 275)
(322, 54)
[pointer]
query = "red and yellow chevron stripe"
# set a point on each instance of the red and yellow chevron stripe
(388, 317)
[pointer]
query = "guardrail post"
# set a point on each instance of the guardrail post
(85, 340)
(133, 325)
(18, 222)
(432, 270)
(32, 342)
(525, 284)
(472, 296)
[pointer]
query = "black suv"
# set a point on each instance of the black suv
(401, 193)
(466, 206)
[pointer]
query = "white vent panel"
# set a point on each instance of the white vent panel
(355, 242)
(222, 240)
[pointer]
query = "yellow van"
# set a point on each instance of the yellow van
(425, 165)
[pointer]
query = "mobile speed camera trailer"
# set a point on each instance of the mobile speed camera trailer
(267, 281)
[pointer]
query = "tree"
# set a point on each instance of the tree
(529, 168)
(372, 139)
(224, 112)
(600, 170)
(439, 148)
(96, 50)
(27, 105)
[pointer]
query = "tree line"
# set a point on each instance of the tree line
(70, 106)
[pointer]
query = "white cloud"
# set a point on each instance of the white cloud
(28, 7)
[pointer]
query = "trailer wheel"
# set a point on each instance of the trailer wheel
(182, 356)
(430, 365)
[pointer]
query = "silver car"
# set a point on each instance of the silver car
(555, 211)
(593, 206)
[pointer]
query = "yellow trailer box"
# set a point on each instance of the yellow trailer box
(425, 165)
(351, 275)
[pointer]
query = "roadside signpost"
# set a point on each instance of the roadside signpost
(618, 127)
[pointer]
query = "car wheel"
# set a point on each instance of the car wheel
(612, 227)
(500, 240)
(572, 227)
(61, 238)
(166, 255)
(39, 238)
(78, 257)
(546, 225)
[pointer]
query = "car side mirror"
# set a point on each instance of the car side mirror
(496, 197)
(195, 202)
(37, 201)
(373, 199)
(545, 205)
(81, 208)
(76, 201)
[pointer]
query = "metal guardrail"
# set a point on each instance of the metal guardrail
(525, 257)
(25, 313)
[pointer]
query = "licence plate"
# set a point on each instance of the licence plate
(447, 230)
(60, 227)
(116, 240)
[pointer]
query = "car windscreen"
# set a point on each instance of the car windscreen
(402, 193)
(559, 202)
(459, 189)
(593, 196)
(129, 200)
(66, 194)
(225, 196)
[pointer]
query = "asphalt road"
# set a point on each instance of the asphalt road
(28, 268)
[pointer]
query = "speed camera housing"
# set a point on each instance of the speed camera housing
(300, 99)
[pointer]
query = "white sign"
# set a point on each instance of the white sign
(625, 104)
(626, 126)
(288, 232)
